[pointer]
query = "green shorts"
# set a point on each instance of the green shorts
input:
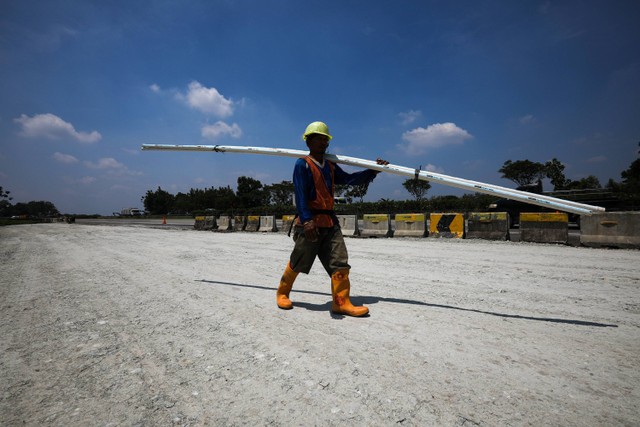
(330, 248)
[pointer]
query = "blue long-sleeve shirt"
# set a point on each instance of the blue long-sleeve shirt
(305, 190)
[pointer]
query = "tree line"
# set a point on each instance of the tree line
(526, 172)
(34, 209)
(252, 197)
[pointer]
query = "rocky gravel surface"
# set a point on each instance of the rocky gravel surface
(135, 326)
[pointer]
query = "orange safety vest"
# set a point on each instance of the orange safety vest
(324, 196)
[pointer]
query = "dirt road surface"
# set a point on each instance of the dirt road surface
(120, 326)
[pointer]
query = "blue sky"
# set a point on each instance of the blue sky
(456, 87)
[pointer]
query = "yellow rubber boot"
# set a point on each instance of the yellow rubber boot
(286, 282)
(340, 287)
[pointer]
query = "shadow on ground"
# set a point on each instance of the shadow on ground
(360, 300)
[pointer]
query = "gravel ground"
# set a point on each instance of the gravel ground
(113, 326)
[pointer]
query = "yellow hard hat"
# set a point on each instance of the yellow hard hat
(316, 127)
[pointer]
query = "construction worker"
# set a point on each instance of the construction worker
(317, 231)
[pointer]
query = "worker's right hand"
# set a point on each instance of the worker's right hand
(311, 231)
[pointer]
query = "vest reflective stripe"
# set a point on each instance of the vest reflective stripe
(324, 196)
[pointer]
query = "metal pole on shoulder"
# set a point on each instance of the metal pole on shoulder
(465, 184)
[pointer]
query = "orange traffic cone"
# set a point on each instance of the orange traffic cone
(164, 220)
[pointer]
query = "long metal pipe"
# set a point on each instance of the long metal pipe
(465, 184)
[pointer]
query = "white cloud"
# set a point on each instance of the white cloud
(112, 168)
(527, 119)
(597, 159)
(133, 152)
(105, 163)
(154, 88)
(87, 180)
(419, 140)
(410, 116)
(43, 39)
(433, 168)
(64, 158)
(207, 100)
(220, 129)
(51, 126)
(544, 8)
(120, 187)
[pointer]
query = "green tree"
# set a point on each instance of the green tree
(226, 199)
(182, 203)
(280, 194)
(417, 188)
(250, 192)
(5, 204)
(36, 209)
(583, 184)
(159, 202)
(357, 191)
(613, 186)
(5, 194)
(554, 170)
(631, 178)
(197, 199)
(6, 208)
(340, 189)
(523, 172)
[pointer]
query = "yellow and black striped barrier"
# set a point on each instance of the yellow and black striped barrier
(446, 225)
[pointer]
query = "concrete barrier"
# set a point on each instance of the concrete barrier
(611, 229)
(287, 221)
(349, 225)
(540, 227)
(211, 222)
(239, 223)
(224, 223)
(199, 223)
(376, 225)
(488, 225)
(268, 224)
(412, 225)
(446, 225)
(253, 223)
(205, 223)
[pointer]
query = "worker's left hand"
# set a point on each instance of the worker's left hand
(311, 231)
(381, 162)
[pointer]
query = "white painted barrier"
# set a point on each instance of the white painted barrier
(410, 225)
(224, 223)
(268, 224)
(349, 225)
(611, 229)
(376, 225)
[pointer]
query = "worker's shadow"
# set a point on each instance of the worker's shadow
(368, 300)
